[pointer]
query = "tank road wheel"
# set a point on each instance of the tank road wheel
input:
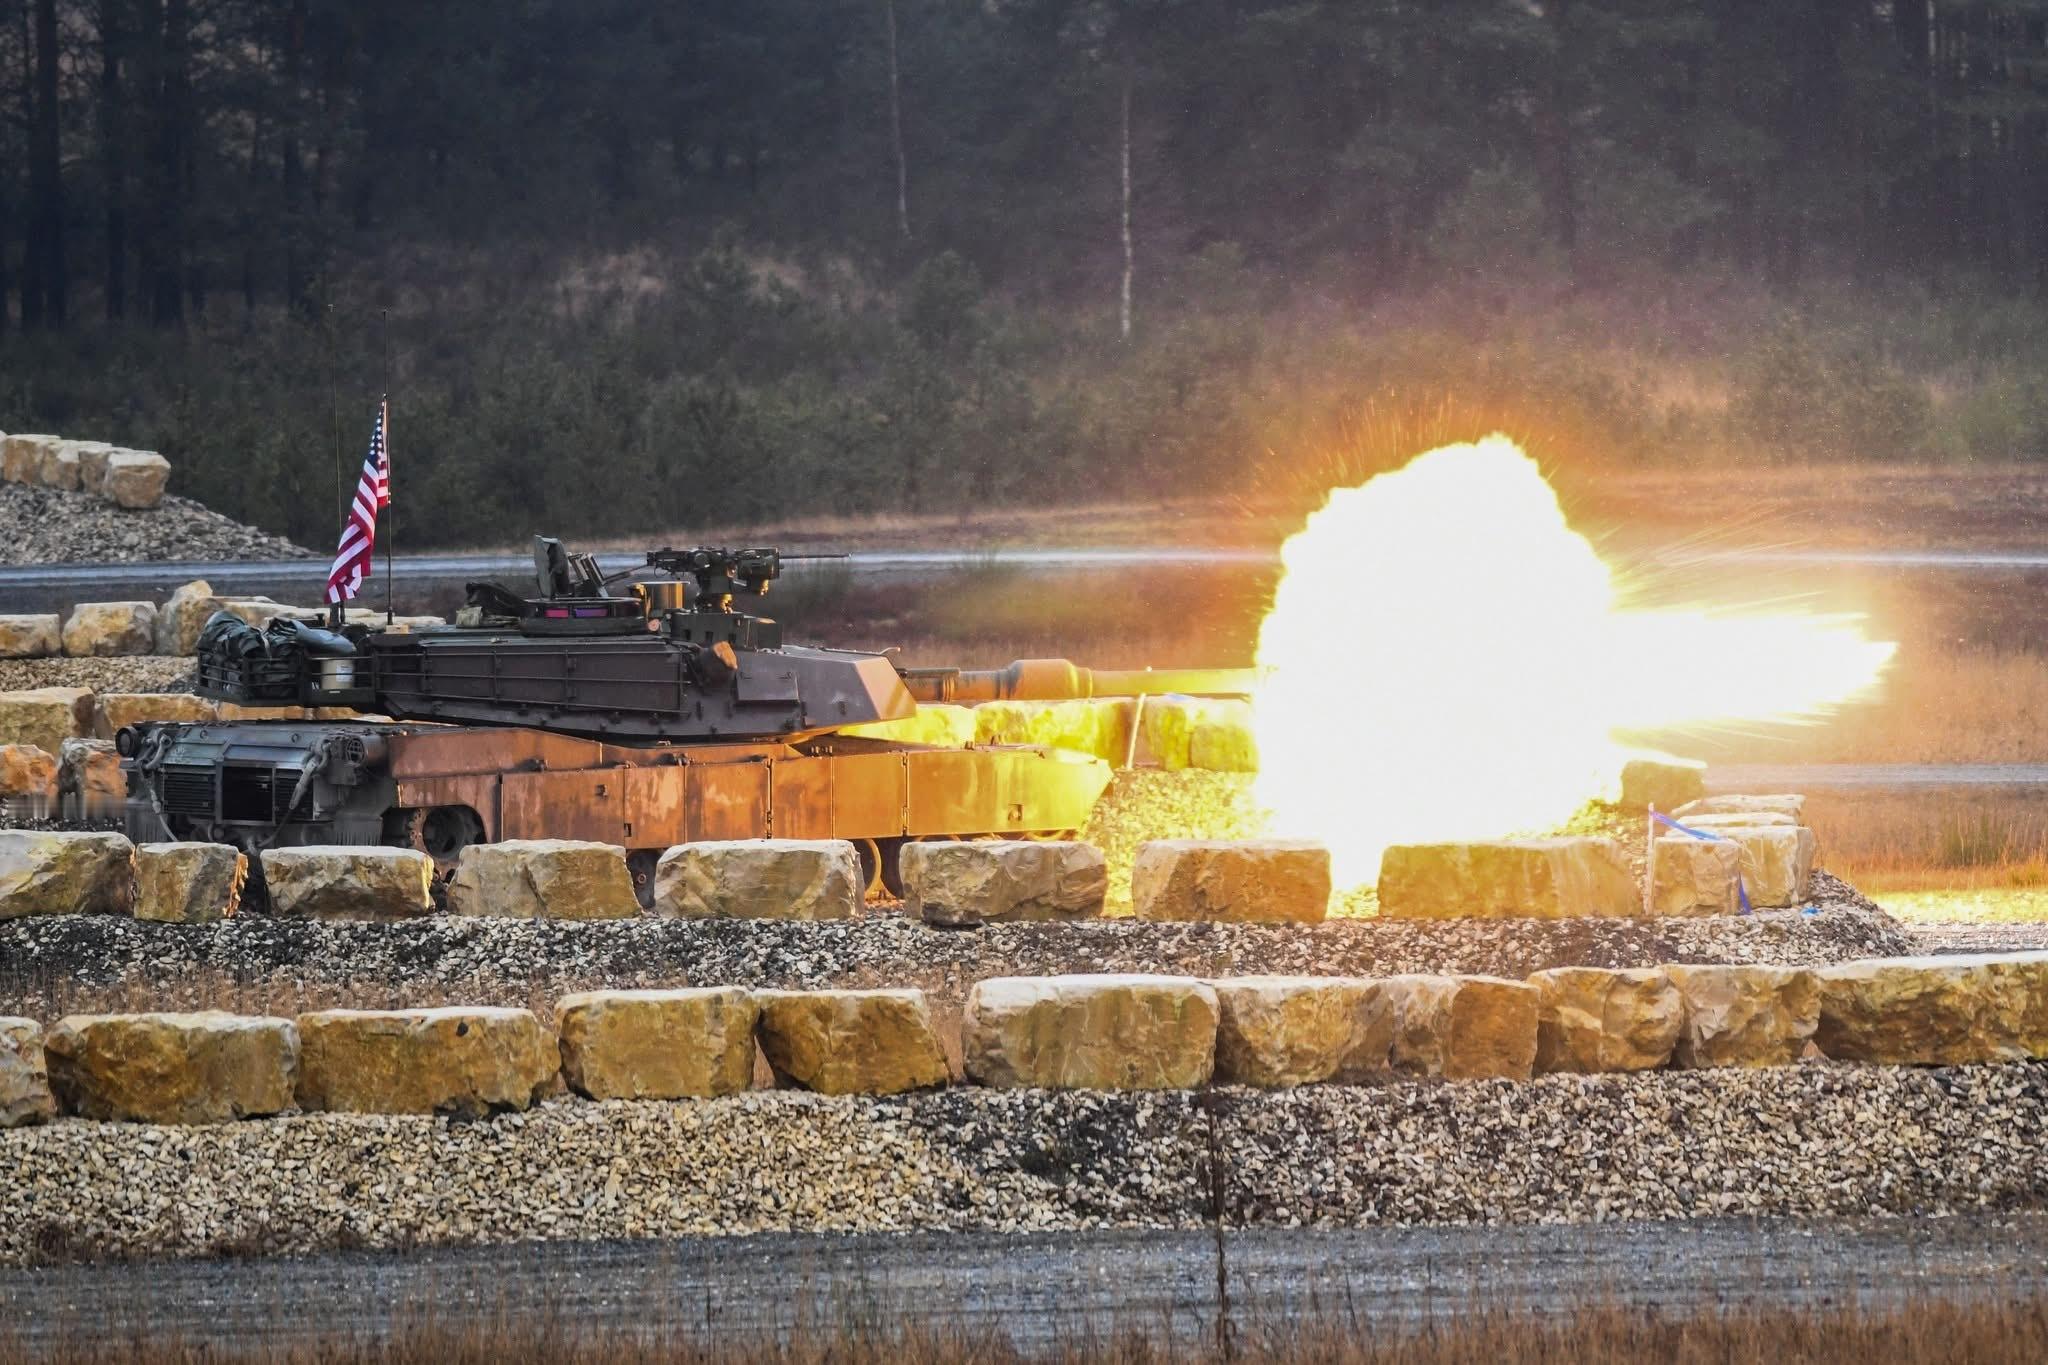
(870, 851)
(890, 874)
(640, 865)
(442, 832)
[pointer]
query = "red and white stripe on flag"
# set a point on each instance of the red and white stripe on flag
(359, 532)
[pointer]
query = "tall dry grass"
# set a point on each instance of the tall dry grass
(1941, 839)
(1918, 1333)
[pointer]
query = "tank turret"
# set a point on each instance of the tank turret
(657, 655)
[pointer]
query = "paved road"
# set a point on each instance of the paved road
(1746, 777)
(28, 585)
(1041, 1289)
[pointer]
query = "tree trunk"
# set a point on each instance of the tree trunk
(246, 220)
(297, 279)
(43, 285)
(896, 126)
(168, 25)
(1130, 265)
(113, 151)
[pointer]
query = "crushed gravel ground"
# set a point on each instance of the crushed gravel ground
(132, 673)
(1814, 1140)
(57, 526)
(69, 963)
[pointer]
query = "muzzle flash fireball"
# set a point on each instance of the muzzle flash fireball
(1489, 664)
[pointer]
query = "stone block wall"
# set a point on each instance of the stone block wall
(1107, 1032)
(132, 479)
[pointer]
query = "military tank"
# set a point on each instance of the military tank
(643, 709)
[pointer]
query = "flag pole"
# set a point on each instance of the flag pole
(384, 415)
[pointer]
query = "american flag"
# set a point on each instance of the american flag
(359, 534)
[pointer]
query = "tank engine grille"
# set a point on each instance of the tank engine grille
(188, 791)
(256, 793)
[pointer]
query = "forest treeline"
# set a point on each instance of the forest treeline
(642, 264)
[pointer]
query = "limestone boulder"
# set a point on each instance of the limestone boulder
(1758, 819)
(1935, 1011)
(851, 1042)
(36, 636)
(657, 1044)
(1591, 1019)
(25, 1096)
(938, 724)
(1088, 726)
(1557, 878)
(209, 1067)
(1091, 1032)
(464, 1060)
(117, 710)
(92, 464)
(21, 457)
(135, 478)
(62, 872)
(1743, 1015)
(760, 879)
(28, 779)
(1463, 1027)
(1167, 724)
(1267, 880)
(348, 882)
(1199, 732)
(1777, 862)
(1666, 784)
(1278, 1031)
(58, 467)
(100, 630)
(1794, 806)
(46, 717)
(543, 879)
(1222, 739)
(90, 783)
(965, 884)
(189, 883)
(182, 618)
(261, 611)
(228, 710)
(1692, 876)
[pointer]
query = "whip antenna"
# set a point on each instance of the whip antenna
(334, 611)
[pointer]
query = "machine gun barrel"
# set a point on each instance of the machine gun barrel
(1062, 679)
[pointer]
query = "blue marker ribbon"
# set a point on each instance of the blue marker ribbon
(1741, 891)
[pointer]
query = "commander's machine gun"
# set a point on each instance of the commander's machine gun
(642, 708)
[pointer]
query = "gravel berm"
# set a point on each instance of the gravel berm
(122, 673)
(69, 963)
(60, 526)
(1813, 1140)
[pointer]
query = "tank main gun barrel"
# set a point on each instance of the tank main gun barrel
(1062, 680)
